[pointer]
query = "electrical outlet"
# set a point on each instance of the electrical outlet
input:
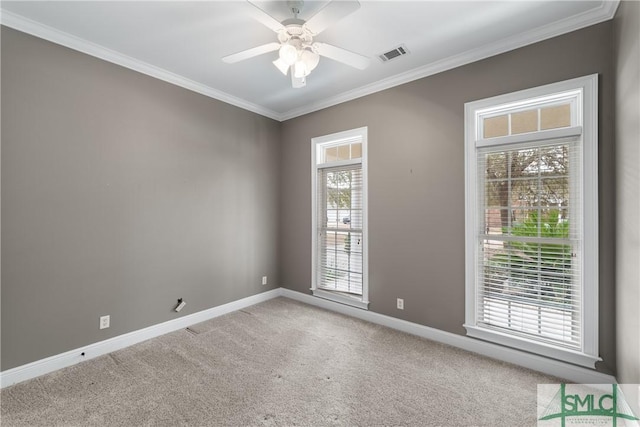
(400, 304)
(105, 321)
(264, 280)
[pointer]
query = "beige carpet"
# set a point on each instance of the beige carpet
(280, 363)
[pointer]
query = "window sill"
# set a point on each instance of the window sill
(341, 298)
(565, 355)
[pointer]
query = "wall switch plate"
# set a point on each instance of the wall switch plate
(400, 304)
(105, 321)
(264, 280)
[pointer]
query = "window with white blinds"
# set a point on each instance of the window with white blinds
(340, 229)
(339, 187)
(531, 212)
(528, 271)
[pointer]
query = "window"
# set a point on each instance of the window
(340, 217)
(532, 220)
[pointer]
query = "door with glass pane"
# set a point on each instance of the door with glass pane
(340, 204)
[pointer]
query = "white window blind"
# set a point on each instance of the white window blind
(340, 229)
(529, 238)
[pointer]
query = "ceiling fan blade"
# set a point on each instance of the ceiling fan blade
(264, 18)
(297, 82)
(341, 55)
(330, 14)
(250, 53)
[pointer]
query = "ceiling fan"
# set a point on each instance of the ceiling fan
(298, 54)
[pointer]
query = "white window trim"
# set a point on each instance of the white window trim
(328, 140)
(588, 111)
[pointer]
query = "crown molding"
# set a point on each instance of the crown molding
(605, 12)
(20, 23)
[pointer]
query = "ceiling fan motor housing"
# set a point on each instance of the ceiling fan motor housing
(295, 31)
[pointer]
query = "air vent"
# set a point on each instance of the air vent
(394, 53)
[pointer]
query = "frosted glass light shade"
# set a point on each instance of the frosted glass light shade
(310, 59)
(288, 54)
(281, 65)
(307, 62)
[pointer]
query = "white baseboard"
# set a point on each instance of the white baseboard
(542, 364)
(63, 360)
(538, 363)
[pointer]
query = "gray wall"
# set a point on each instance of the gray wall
(416, 179)
(120, 194)
(627, 42)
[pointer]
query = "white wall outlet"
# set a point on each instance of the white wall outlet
(400, 304)
(105, 321)
(264, 280)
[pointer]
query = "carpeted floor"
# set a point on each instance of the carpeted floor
(280, 363)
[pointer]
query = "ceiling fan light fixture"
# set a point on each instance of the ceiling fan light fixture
(310, 60)
(281, 65)
(288, 54)
(307, 62)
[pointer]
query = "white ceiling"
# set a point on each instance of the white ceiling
(182, 42)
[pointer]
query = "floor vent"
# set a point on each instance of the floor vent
(394, 53)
